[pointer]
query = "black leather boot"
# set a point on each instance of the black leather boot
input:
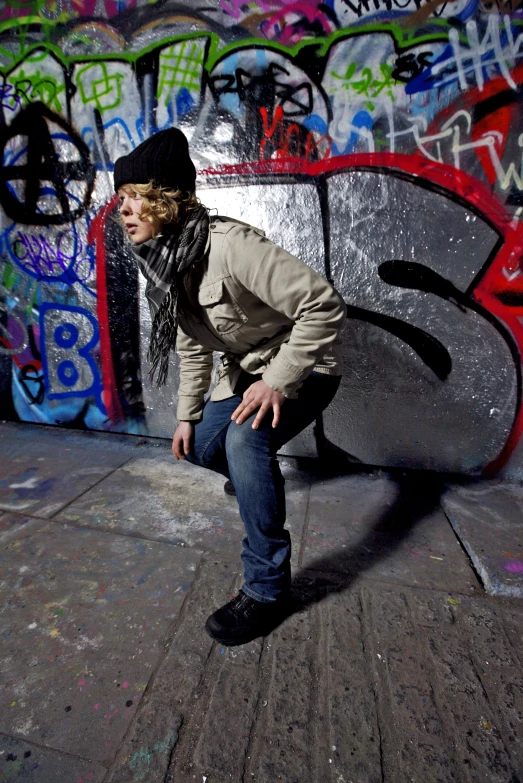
(244, 619)
(228, 488)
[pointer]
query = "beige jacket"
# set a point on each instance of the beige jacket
(265, 310)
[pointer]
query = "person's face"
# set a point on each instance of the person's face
(130, 208)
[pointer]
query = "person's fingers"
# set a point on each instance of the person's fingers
(187, 444)
(238, 410)
(176, 448)
(251, 400)
(248, 409)
(276, 414)
(261, 413)
(247, 399)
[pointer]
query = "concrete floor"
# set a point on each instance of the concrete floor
(401, 663)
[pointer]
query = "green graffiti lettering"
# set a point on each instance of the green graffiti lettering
(366, 83)
(100, 87)
(181, 66)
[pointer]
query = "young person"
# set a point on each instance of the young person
(216, 284)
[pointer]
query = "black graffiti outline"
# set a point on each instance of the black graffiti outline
(32, 343)
(366, 5)
(243, 84)
(23, 377)
(43, 164)
(409, 274)
(430, 350)
(411, 63)
(418, 277)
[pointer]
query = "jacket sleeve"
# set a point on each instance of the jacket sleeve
(292, 288)
(195, 377)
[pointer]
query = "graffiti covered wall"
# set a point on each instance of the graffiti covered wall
(379, 140)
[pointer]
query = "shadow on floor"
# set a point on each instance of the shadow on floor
(418, 495)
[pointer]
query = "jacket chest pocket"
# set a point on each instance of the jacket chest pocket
(221, 308)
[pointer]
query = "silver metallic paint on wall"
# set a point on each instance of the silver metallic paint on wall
(391, 408)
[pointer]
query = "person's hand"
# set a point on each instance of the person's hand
(182, 439)
(261, 396)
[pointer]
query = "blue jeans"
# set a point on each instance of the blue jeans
(248, 458)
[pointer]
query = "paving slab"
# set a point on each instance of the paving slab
(85, 619)
(373, 683)
(385, 528)
(148, 748)
(174, 698)
(164, 500)
(488, 518)
(21, 761)
(42, 469)
(439, 722)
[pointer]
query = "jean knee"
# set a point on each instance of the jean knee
(245, 446)
(242, 437)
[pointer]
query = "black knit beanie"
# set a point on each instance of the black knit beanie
(162, 158)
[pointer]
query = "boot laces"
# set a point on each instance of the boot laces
(244, 606)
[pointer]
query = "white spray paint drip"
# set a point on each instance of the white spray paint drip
(469, 61)
(25, 727)
(17, 506)
(148, 93)
(99, 149)
(29, 484)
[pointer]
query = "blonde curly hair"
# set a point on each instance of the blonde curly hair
(163, 205)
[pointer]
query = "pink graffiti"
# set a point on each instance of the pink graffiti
(291, 21)
(515, 567)
(108, 717)
(49, 10)
(291, 24)
(234, 7)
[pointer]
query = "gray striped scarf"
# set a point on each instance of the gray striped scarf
(163, 261)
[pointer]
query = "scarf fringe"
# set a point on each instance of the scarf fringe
(163, 261)
(163, 337)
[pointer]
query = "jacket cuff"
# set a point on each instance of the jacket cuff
(189, 408)
(284, 378)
